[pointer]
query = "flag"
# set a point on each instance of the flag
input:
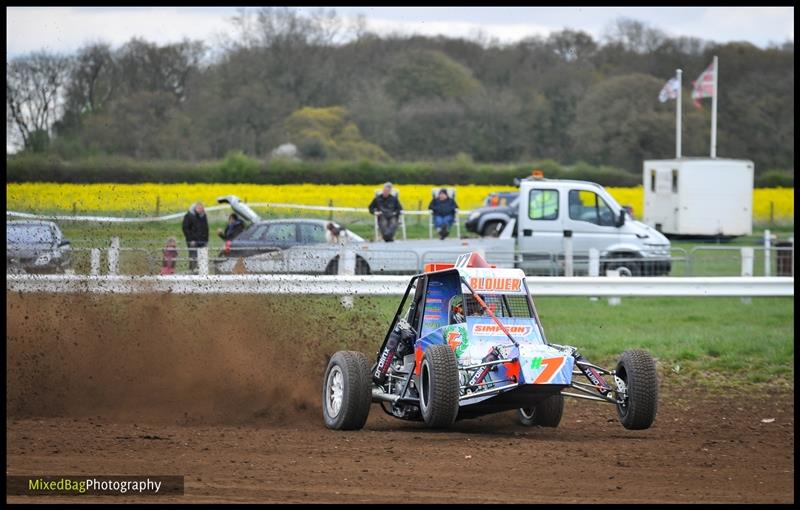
(669, 91)
(704, 85)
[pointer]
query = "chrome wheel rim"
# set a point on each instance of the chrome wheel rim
(334, 391)
(527, 413)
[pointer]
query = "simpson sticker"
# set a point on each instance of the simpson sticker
(494, 329)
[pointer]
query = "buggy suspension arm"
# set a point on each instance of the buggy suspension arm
(593, 373)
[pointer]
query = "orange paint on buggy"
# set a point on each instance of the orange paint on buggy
(454, 339)
(551, 366)
(513, 369)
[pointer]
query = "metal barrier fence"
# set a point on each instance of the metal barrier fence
(728, 260)
(146, 258)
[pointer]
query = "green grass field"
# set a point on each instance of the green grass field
(720, 341)
(691, 337)
(716, 342)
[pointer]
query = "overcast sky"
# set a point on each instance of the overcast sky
(65, 29)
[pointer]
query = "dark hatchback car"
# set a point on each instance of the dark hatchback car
(489, 221)
(299, 245)
(36, 247)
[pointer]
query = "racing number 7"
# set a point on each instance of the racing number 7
(551, 366)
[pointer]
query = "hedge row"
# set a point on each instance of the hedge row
(237, 167)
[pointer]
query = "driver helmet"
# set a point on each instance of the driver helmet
(458, 312)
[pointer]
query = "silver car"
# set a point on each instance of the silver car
(34, 246)
(284, 245)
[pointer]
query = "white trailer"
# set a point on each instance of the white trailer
(699, 196)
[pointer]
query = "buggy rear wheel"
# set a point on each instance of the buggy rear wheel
(346, 391)
(636, 377)
(438, 386)
(546, 413)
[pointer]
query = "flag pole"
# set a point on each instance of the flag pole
(678, 118)
(714, 111)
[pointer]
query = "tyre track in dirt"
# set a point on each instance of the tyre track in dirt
(703, 450)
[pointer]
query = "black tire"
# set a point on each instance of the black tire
(637, 369)
(633, 267)
(492, 228)
(361, 266)
(355, 390)
(438, 386)
(546, 413)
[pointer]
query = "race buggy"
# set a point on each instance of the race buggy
(466, 341)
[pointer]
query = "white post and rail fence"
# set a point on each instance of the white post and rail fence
(373, 285)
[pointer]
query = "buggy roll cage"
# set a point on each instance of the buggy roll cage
(597, 389)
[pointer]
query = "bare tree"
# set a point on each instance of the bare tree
(635, 36)
(93, 78)
(34, 95)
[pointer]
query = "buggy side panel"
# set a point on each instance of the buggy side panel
(441, 289)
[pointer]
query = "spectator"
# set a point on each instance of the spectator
(234, 227)
(195, 230)
(444, 212)
(387, 208)
(332, 232)
(170, 256)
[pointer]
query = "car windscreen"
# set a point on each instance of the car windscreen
(28, 234)
(311, 233)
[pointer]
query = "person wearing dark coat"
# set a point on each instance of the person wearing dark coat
(234, 227)
(195, 230)
(444, 212)
(388, 209)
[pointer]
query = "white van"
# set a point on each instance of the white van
(550, 210)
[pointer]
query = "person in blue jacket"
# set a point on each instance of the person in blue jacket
(444, 213)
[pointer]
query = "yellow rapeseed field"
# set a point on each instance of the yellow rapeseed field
(142, 199)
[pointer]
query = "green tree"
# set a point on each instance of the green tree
(620, 122)
(321, 133)
(429, 75)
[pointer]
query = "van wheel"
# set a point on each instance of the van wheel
(626, 266)
(492, 228)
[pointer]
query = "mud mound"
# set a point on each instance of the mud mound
(176, 358)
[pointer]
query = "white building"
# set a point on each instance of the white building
(699, 196)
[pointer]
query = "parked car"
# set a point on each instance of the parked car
(500, 198)
(34, 246)
(284, 245)
(489, 221)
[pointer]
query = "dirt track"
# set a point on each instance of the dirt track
(94, 392)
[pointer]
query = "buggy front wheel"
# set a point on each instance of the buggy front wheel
(438, 386)
(637, 380)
